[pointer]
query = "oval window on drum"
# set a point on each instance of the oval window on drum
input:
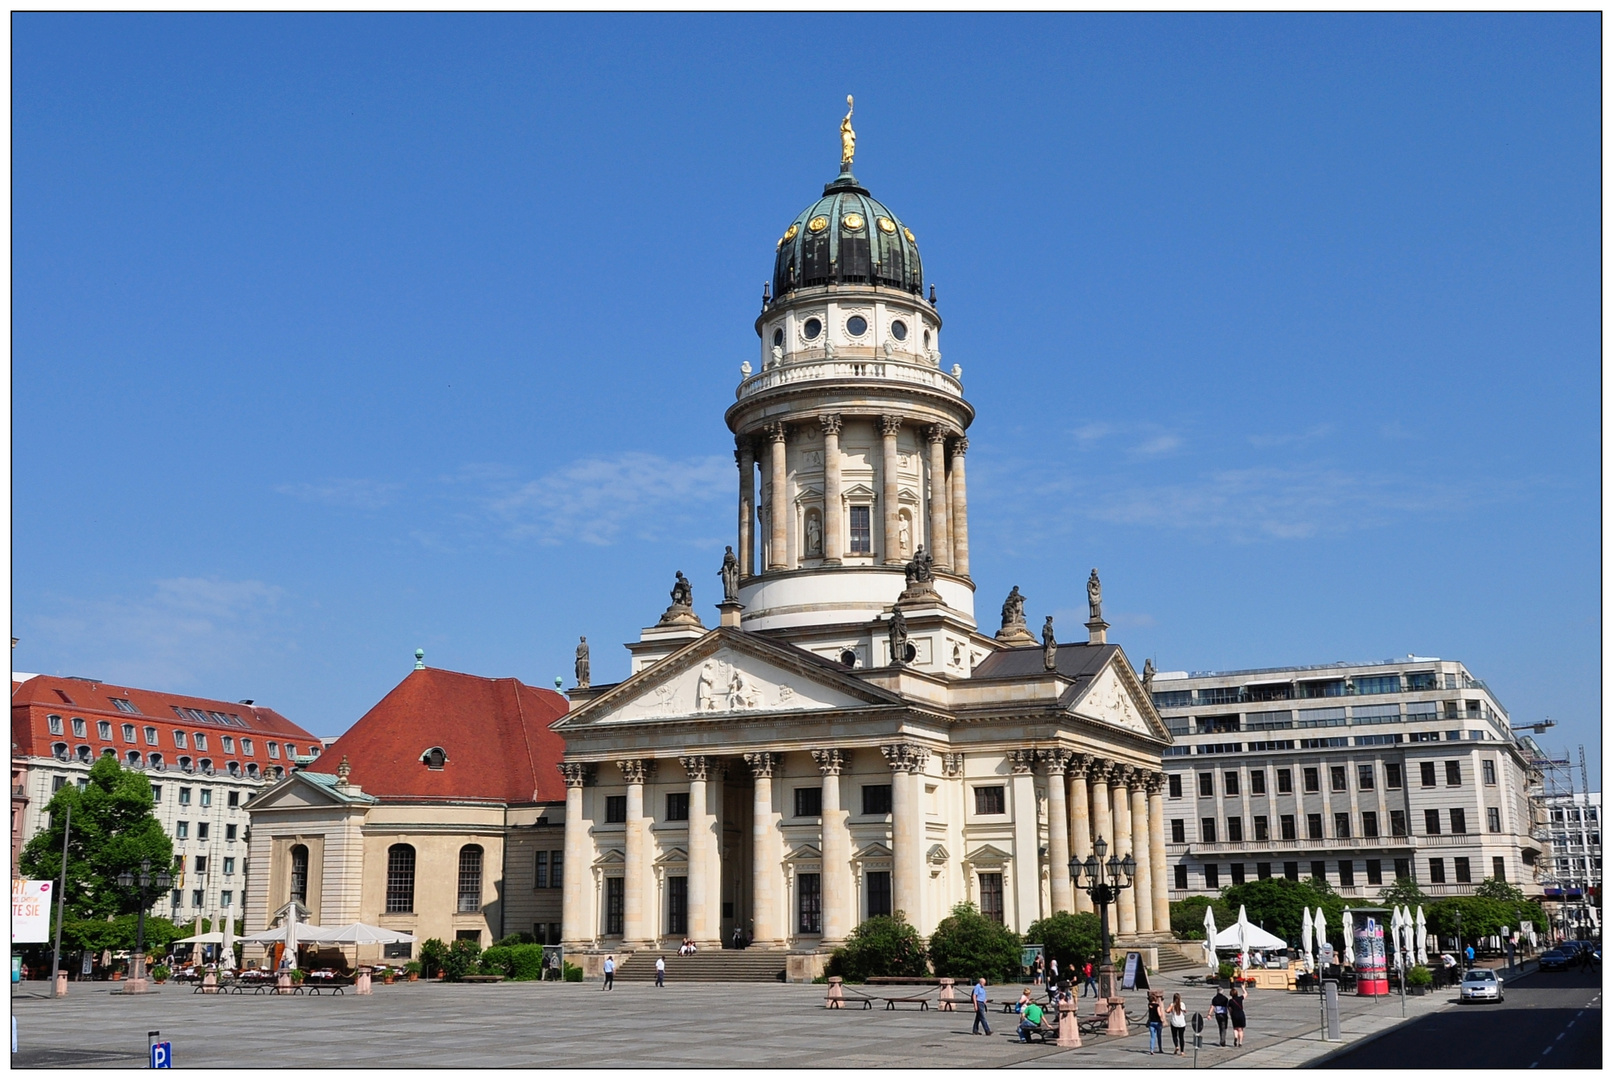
(856, 326)
(812, 329)
(778, 337)
(899, 330)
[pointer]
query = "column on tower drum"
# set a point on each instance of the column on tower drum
(960, 508)
(746, 456)
(1126, 906)
(1143, 886)
(776, 557)
(939, 542)
(890, 497)
(1080, 823)
(833, 528)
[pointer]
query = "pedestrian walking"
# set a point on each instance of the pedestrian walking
(1218, 1010)
(1470, 955)
(1239, 1020)
(1177, 1015)
(660, 971)
(1036, 971)
(978, 994)
(1052, 978)
(1091, 980)
(1156, 1023)
(610, 973)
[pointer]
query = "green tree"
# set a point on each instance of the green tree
(461, 959)
(1403, 891)
(883, 945)
(1496, 889)
(967, 945)
(1187, 917)
(113, 831)
(433, 952)
(1072, 940)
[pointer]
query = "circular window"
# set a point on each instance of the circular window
(811, 329)
(790, 233)
(886, 225)
(856, 326)
(853, 222)
(778, 337)
(849, 658)
(818, 224)
(899, 330)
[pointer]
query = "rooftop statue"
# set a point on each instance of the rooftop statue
(1095, 594)
(582, 663)
(848, 137)
(1148, 675)
(682, 592)
(1050, 646)
(922, 568)
(1014, 609)
(898, 638)
(730, 575)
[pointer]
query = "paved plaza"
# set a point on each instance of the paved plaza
(635, 1025)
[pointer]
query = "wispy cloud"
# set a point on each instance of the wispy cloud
(354, 493)
(1292, 438)
(1138, 441)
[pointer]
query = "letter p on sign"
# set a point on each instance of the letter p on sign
(162, 1055)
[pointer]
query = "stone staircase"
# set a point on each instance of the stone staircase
(713, 965)
(1172, 962)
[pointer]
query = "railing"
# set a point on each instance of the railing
(1331, 843)
(838, 369)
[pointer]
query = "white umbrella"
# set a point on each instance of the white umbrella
(1246, 935)
(1422, 937)
(289, 934)
(1209, 937)
(1243, 937)
(1319, 921)
(1307, 932)
(1349, 938)
(362, 934)
(212, 938)
(226, 956)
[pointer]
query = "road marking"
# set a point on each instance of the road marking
(1559, 1037)
(1546, 1051)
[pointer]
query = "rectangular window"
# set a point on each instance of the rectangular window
(1492, 819)
(1313, 779)
(1319, 869)
(207, 796)
(1212, 876)
(989, 800)
(184, 796)
(246, 747)
(1377, 684)
(879, 892)
(229, 866)
(124, 705)
(128, 733)
(615, 904)
(202, 828)
(1181, 876)
(182, 830)
(615, 809)
(1397, 823)
(151, 736)
(1176, 785)
(557, 877)
(1291, 871)
(233, 799)
(862, 533)
(1262, 829)
(1257, 782)
(1285, 781)
(1489, 774)
(1346, 874)
(196, 898)
(1207, 830)
(1431, 822)
(228, 742)
(1313, 826)
(1230, 782)
(991, 896)
(179, 738)
(1237, 873)
(274, 749)
(1263, 870)
(540, 870)
(1436, 871)
(1464, 872)
(1369, 824)
(1453, 774)
(809, 801)
(1206, 785)
(1364, 778)
(1235, 830)
(226, 899)
(809, 904)
(1286, 823)
(201, 864)
(78, 727)
(677, 806)
(1458, 821)
(1178, 831)
(1341, 826)
(1428, 773)
(229, 832)
(677, 905)
(876, 799)
(1374, 871)
(103, 728)
(1498, 867)
(199, 740)
(1337, 777)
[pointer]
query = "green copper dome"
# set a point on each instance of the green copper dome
(847, 237)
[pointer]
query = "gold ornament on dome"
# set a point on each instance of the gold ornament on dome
(911, 239)
(886, 225)
(853, 221)
(818, 224)
(789, 234)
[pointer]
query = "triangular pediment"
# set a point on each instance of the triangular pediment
(298, 792)
(1115, 696)
(876, 850)
(987, 855)
(803, 853)
(611, 857)
(726, 673)
(673, 855)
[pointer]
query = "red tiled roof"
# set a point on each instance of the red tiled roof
(495, 733)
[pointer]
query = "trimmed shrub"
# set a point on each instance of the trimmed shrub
(496, 960)
(526, 962)
(461, 959)
(884, 945)
(432, 954)
(1419, 976)
(967, 945)
(571, 973)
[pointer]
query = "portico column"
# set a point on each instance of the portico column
(890, 497)
(576, 917)
(1126, 906)
(633, 923)
(1080, 822)
(906, 760)
(1027, 898)
(1156, 852)
(1143, 885)
(746, 456)
(1058, 832)
(960, 513)
(832, 525)
(765, 859)
(837, 891)
(704, 902)
(1098, 781)
(940, 543)
(777, 557)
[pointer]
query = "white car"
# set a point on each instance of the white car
(1481, 984)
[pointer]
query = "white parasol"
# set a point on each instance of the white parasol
(362, 934)
(1243, 938)
(226, 952)
(1209, 937)
(1306, 933)
(288, 933)
(1422, 937)
(212, 938)
(1319, 923)
(1349, 938)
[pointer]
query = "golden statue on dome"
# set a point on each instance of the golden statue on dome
(848, 137)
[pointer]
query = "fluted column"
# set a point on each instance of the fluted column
(1126, 905)
(577, 920)
(634, 933)
(705, 903)
(889, 426)
(1080, 821)
(1027, 898)
(1156, 853)
(767, 922)
(838, 920)
(745, 455)
(778, 516)
(960, 509)
(906, 761)
(1143, 885)
(940, 542)
(833, 526)
(1058, 832)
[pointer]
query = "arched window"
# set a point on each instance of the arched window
(470, 878)
(399, 879)
(252, 770)
(299, 874)
(277, 772)
(59, 751)
(207, 766)
(185, 765)
(434, 758)
(133, 758)
(235, 768)
(84, 755)
(156, 762)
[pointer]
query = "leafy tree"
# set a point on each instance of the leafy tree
(967, 945)
(433, 952)
(1070, 939)
(1482, 916)
(1403, 891)
(461, 959)
(1496, 889)
(1187, 917)
(884, 945)
(113, 831)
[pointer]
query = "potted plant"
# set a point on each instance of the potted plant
(161, 973)
(413, 968)
(297, 976)
(1419, 979)
(389, 976)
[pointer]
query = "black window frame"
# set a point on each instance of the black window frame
(1313, 827)
(991, 800)
(1174, 785)
(1374, 871)
(400, 874)
(1206, 785)
(1285, 781)
(808, 802)
(1229, 782)
(877, 892)
(1178, 831)
(1257, 781)
(1431, 821)
(1207, 830)
(1312, 776)
(876, 799)
(1453, 773)
(677, 806)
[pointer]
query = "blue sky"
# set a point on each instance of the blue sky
(339, 335)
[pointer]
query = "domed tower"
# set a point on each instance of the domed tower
(850, 435)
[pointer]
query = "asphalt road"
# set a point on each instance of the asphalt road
(1549, 1020)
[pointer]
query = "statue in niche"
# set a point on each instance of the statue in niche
(814, 534)
(682, 592)
(1014, 609)
(582, 663)
(1095, 595)
(730, 576)
(1148, 675)
(1050, 646)
(705, 697)
(904, 533)
(898, 638)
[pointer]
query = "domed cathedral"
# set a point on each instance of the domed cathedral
(847, 742)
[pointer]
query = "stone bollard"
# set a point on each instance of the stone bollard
(282, 985)
(1117, 1017)
(61, 984)
(361, 985)
(210, 983)
(837, 996)
(948, 1002)
(1069, 1025)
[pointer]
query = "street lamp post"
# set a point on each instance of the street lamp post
(145, 880)
(1104, 882)
(1461, 955)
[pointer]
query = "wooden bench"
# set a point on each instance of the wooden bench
(335, 986)
(482, 978)
(921, 1000)
(848, 994)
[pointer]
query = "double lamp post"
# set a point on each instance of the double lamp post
(1103, 885)
(145, 879)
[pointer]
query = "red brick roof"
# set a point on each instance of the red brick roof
(495, 733)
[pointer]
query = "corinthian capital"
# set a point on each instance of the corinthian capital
(829, 762)
(576, 773)
(935, 433)
(960, 446)
(890, 425)
(636, 770)
(905, 757)
(696, 765)
(830, 422)
(777, 431)
(1020, 761)
(761, 765)
(1056, 760)
(1156, 782)
(1098, 770)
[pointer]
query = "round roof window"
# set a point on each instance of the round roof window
(811, 329)
(899, 330)
(856, 326)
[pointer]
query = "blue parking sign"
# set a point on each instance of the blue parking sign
(162, 1055)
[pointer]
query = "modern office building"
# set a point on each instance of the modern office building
(1356, 773)
(1571, 823)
